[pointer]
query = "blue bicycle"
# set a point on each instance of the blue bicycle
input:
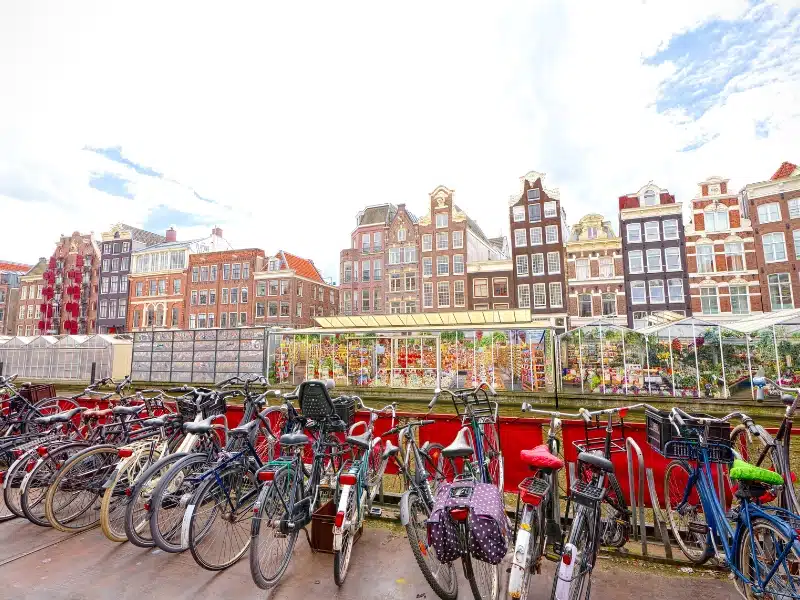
(760, 544)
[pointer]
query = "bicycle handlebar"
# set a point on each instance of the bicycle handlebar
(399, 428)
(462, 393)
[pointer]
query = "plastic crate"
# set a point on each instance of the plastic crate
(690, 450)
(322, 528)
(660, 430)
(35, 393)
(345, 407)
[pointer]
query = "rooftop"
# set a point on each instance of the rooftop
(13, 267)
(375, 215)
(148, 238)
(785, 170)
(304, 267)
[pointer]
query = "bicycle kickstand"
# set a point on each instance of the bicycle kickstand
(308, 539)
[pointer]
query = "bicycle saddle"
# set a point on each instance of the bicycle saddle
(541, 458)
(158, 421)
(97, 414)
(362, 441)
(597, 461)
(244, 429)
(63, 417)
(198, 427)
(460, 448)
(130, 411)
(293, 439)
(390, 450)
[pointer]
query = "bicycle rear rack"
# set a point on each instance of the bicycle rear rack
(535, 487)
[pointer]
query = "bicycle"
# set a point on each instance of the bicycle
(759, 544)
(288, 498)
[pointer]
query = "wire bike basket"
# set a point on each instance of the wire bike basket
(476, 404)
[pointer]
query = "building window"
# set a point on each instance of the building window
(115, 264)
(427, 266)
(458, 293)
(226, 272)
(555, 295)
(261, 288)
(365, 242)
(769, 213)
(705, 258)
(780, 291)
(211, 320)
(591, 233)
(376, 301)
(224, 298)
(272, 307)
(365, 270)
(650, 198)
(427, 295)
(139, 288)
(114, 285)
(483, 306)
(377, 241)
(606, 267)
(638, 295)
(537, 264)
(581, 269)
(364, 300)
(103, 286)
(794, 208)
(635, 262)
(524, 296)
(443, 291)
(553, 263)
(539, 295)
(796, 237)
(654, 260)
(377, 269)
(774, 247)
(394, 308)
(201, 321)
(203, 273)
(500, 287)
(533, 194)
(551, 234)
(284, 287)
(243, 295)
(192, 322)
(223, 319)
(536, 236)
(534, 213)
(162, 287)
(458, 239)
(401, 235)
(584, 305)
(203, 297)
(234, 295)
(672, 256)
(273, 287)
(609, 302)
(522, 265)
(441, 220)
(518, 214)
(284, 310)
(480, 288)
(442, 265)
(106, 265)
(740, 300)
(709, 300)
(716, 220)
(734, 256)
(236, 271)
(232, 317)
(193, 298)
(441, 240)
(651, 231)
(427, 242)
(411, 282)
(550, 210)
(634, 232)
(125, 263)
(103, 309)
(656, 291)
(458, 264)
(176, 286)
(520, 238)
(123, 309)
(212, 296)
(195, 274)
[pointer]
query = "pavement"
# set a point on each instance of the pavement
(37, 563)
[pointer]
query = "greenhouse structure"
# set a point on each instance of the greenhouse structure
(449, 350)
(685, 358)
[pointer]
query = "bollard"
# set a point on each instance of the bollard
(659, 521)
(1, 367)
(630, 444)
(93, 373)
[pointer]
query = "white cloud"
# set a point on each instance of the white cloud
(294, 118)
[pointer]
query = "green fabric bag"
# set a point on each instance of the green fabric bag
(743, 471)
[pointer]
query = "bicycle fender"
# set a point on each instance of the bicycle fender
(342, 508)
(404, 512)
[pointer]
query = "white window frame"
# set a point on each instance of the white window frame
(635, 254)
(439, 286)
(583, 266)
(556, 295)
(442, 240)
(632, 228)
(458, 239)
(704, 255)
(652, 231)
(746, 297)
(553, 263)
(523, 295)
(535, 288)
(427, 242)
(770, 240)
(672, 223)
(656, 283)
(550, 209)
(520, 238)
(771, 211)
(680, 298)
(518, 214)
(536, 236)
(522, 265)
(672, 252)
(458, 264)
(442, 220)
(551, 234)
(456, 285)
(651, 253)
(704, 295)
(638, 285)
(442, 261)
(537, 264)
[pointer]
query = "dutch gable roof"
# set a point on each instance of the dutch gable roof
(785, 170)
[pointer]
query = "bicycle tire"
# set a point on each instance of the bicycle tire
(271, 508)
(173, 494)
(447, 590)
(536, 538)
(12, 482)
(114, 505)
(674, 487)
(341, 558)
(493, 455)
(38, 481)
(753, 452)
(238, 476)
(477, 577)
(137, 513)
(743, 556)
(579, 537)
(98, 461)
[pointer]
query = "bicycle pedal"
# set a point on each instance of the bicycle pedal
(553, 557)
(375, 512)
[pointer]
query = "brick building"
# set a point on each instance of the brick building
(538, 233)
(117, 247)
(290, 292)
(10, 273)
(366, 255)
(30, 299)
(595, 278)
(653, 243)
(773, 206)
(490, 285)
(721, 255)
(401, 281)
(221, 288)
(158, 281)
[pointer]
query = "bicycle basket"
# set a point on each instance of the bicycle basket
(661, 432)
(476, 404)
(718, 452)
(345, 407)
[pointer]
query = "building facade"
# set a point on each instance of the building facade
(116, 249)
(10, 273)
(401, 283)
(774, 210)
(291, 292)
(538, 232)
(367, 252)
(721, 255)
(29, 300)
(490, 285)
(595, 277)
(221, 288)
(653, 242)
(158, 281)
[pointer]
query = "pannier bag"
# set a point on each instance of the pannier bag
(487, 522)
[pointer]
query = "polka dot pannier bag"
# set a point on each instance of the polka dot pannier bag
(487, 522)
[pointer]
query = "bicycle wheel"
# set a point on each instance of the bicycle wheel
(341, 558)
(441, 577)
(688, 522)
(12, 483)
(376, 468)
(493, 455)
(137, 511)
(38, 480)
(119, 493)
(754, 450)
(762, 545)
(266, 441)
(580, 537)
(220, 511)
(484, 578)
(45, 408)
(615, 518)
(520, 578)
(73, 499)
(170, 498)
(271, 550)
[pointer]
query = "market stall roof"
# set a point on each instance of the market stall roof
(762, 321)
(685, 321)
(599, 323)
(43, 341)
(442, 321)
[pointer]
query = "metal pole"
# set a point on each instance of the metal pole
(647, 362)
(749, 365)
(511, 354)
(438, 360)
(630, 443)
(777, 359)
(580, 357)
(624, 365)
(393, 345)
(602, 360)
(696, 363)
(671, 365)
(722, 358)
(551, 333)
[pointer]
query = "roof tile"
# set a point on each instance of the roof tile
(302, 266)
(785, 170)
(12, 267)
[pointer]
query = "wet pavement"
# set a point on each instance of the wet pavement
(37, 563)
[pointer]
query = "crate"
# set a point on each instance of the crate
(660, 430)
(322, 528)
(35, 393)
(345, 407)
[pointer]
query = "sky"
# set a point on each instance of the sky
(279, 122)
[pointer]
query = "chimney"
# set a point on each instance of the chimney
(172, 235)
(216, 231)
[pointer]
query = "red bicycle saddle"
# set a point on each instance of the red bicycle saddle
(541, 458)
